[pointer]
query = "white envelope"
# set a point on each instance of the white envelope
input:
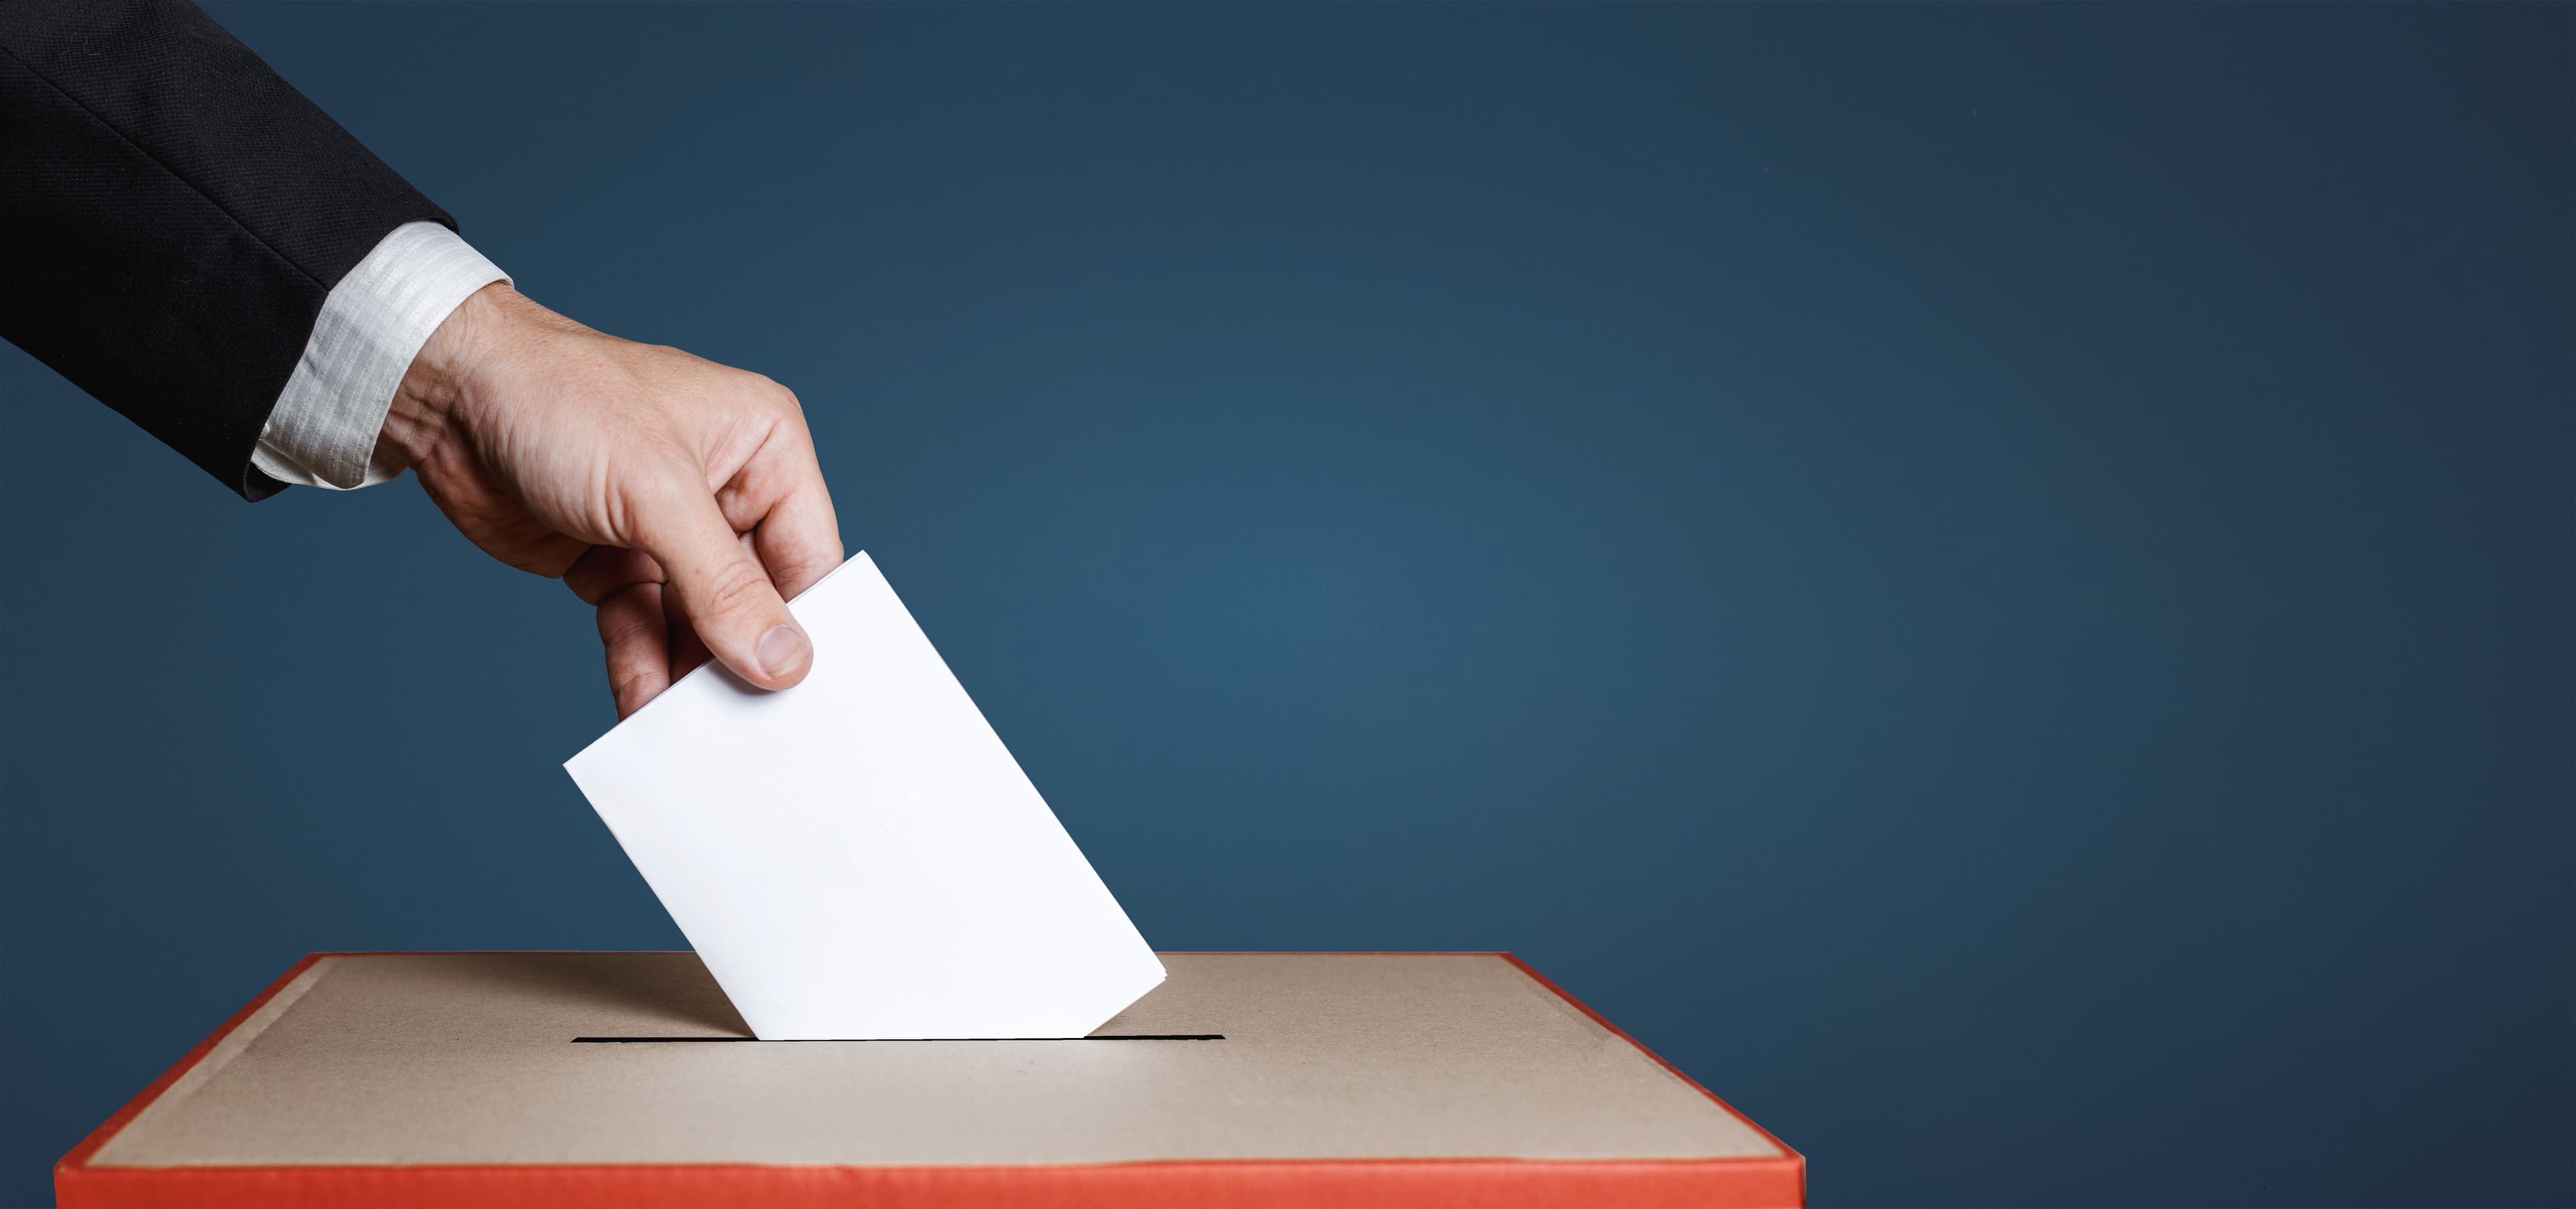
(859, 856)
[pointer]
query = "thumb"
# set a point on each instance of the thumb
(723, 591)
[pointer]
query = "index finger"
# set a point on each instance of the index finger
(779, 499)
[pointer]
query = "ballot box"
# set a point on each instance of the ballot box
(626, 1079)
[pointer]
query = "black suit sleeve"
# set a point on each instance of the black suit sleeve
(175, 214)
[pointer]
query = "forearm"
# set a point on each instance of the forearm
(179, 216)
(199, 247)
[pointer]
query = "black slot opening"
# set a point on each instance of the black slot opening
(865, 1040)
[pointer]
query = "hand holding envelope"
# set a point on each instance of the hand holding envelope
(859, 857)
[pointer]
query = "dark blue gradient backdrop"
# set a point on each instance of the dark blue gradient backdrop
(1993, 581)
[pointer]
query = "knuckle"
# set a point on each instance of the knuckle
(653, 500)
(625, 633)
(778, 394)
(630, 691)
(737, 587)
(671, 482)
(628, 595)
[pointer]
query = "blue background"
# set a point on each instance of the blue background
(1993, 581)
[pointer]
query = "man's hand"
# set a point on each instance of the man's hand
(678, 496)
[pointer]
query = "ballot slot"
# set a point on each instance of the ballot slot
(888, 1040)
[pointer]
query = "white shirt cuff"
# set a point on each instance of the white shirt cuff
(322, 433)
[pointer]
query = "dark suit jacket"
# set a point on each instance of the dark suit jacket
(175, 215)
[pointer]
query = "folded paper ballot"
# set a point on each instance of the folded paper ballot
(859, 856)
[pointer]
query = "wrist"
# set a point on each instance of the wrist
(439, 383)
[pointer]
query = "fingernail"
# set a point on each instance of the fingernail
(780, 650)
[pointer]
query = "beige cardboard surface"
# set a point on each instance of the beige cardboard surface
(469, 1058)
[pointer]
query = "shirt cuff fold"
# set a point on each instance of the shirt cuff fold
(323, 431)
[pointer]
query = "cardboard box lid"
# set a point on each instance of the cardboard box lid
(496, 1060)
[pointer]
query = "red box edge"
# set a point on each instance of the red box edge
(1749, 1183)
(77, 1159)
